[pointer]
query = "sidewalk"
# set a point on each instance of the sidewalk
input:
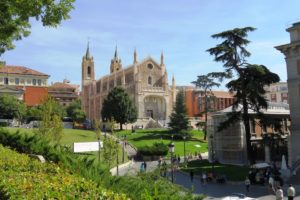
(217, 191)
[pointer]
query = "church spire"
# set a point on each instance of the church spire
(116, 53)
(134, 57)
(162, 59)
(87, 54)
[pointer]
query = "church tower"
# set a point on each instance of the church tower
(116, 63)
(87, 68)
(292, 58)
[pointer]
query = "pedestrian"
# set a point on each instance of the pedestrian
(192, 175)
(145, 166)
(271, 184)
(247, 184)
(178, 159)
(279, 193)
(204, 177)
(164, 168)
(291, 192)
(159, 161)
(142, 168)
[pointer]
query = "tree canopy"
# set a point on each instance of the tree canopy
(11, 107)
(75, 112)
(119, 106)
(178, 119)
(248, 86)
(15, 16)
(205, 83)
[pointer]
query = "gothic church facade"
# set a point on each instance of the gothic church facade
(145, 81)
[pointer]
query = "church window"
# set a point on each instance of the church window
(39, 82)
(34, 81)
(149, 80)
(89, 71)
(150, 66)
(5, 81)
(17, 81)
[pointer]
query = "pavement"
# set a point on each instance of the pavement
(211, 190)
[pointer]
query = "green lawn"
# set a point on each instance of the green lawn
(233, 172)
(148, 137)
(74, 135)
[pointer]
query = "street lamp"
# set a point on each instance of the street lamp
(123, 148)
(172, 150)
(117, 142)
(211, 137)
(184, 157)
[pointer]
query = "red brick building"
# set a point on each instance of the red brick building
(26, 84)
(196, 104)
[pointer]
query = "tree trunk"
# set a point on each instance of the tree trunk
(121, 127)
(247, 131)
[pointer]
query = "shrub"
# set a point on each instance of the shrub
(24, 178)
(157, 149)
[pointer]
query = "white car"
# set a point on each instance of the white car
(237, 196)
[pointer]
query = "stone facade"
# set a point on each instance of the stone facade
(292, 58)
(145, 81)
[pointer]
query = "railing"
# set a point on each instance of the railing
(153, 89)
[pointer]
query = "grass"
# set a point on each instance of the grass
(233, 172)
(76, 135)
(149, 137)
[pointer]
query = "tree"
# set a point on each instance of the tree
(119, 106)
(11, 107)
(248, 86)
(205, 83)
(51, 124)
(178, 119)
(74, 110)
(15, 16)
(110, 149)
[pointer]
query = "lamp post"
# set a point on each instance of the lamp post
(184, 157)
(211, 137)
(172, 150)
(117, 142)
(172, 137)
(123, 148)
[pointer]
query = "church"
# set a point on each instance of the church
(146, 82)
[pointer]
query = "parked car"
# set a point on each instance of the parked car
(237, 196)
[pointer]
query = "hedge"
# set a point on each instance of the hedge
(157, 149)
(25, 178)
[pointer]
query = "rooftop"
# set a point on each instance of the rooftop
(10, 69)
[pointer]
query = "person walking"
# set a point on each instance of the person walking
(192, 175)
(291, 192)
(145, 165)
(271, 184)
(247, 184)
(279, 193)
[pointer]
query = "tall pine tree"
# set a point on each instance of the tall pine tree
(178, 119)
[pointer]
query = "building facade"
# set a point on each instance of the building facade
(268, 138)
(145, 81)
(195, 102)
(292, 58)
(277, 92)
(26, 84)
(64, 92)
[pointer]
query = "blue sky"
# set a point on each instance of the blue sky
(181, 29)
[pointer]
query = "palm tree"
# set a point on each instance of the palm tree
(248, 87)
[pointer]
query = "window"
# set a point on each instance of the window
(17, 81)
(89, 71)
(149, 80)
(34, 81)
(39, 82)
(150, 66)
(5, 81)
